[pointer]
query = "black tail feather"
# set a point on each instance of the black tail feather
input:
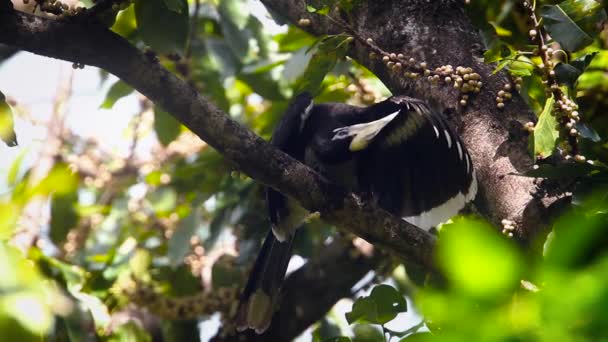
(258, 299)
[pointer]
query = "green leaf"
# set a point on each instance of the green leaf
(329, 50)
(545, 134)
(383, 305)
(125, 24)
(64, 216)
(562, 22)
(568, 73)
(389, 302)
(167, 128)
(7, 129)
(117, 91)
(477, 260)
(163, 29)
(60, 181)
(364, 310)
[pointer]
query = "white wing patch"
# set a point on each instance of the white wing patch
(431, 218)
(306, 115)
(448, 138)
(459, 149)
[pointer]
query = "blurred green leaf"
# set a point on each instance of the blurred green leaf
(477, 260)
(125, 24)
(163, 29)
(235, 15)
(117, 91)
(167, 128)
(9, 213)
(7, 130)
(63, 216)
(545, 132)
(13, 172)
(236, 11)
(59, 181)
(163, 200)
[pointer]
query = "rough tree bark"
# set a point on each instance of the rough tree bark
(437, 32)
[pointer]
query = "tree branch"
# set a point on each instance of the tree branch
(84, 41)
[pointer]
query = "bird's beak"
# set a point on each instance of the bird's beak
(363, 134)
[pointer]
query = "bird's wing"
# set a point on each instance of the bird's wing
(287, 138)
(417, 166)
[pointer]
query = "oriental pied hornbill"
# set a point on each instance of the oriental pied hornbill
(400, 151)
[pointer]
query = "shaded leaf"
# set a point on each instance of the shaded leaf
(167, 128)
(587, 132)
(545, 133)
(163, 29)
(389, 302)
(364, 310)
(234, 16)
(380, 307)
(568, 73)
(64, 216)
(562, 26)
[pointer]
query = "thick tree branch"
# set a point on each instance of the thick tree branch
(82, 41)
(440, 33)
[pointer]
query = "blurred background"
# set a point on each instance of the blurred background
(119, 224)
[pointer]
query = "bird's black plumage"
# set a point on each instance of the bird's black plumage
(400, 151)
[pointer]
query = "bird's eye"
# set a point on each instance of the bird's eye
(341, 133)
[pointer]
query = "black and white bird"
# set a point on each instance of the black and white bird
(401, 152)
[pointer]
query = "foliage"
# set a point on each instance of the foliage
(131, 239)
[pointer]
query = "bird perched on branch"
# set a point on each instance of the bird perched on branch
(401, 152)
